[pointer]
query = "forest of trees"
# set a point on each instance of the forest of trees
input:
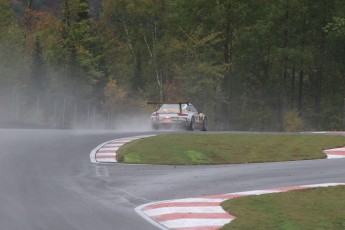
(256, 65)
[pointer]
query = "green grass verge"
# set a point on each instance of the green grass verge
(320, 208)
(189, 149)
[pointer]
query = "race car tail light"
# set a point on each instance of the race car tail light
(182, 114)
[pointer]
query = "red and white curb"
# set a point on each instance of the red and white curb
(335, 153)
(332, 153)
(106, 152)
(326, 132)
(202, 213)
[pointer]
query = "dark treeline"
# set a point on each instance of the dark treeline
(250, 65)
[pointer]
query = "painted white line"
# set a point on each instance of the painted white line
(94, 151)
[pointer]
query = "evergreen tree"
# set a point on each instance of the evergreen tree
(79, 44)
(12, 61)
(38, 74)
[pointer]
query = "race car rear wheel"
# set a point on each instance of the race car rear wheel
(204, 125)
(192, 124)
(155, 127)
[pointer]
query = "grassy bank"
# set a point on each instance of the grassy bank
(188, 149)
(320, 208)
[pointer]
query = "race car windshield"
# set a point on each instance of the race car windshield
(172, 108)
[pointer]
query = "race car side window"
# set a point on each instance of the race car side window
(192, 108)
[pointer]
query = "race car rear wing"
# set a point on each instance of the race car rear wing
(165, 102)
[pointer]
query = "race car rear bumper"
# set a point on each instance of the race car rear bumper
(170, 124)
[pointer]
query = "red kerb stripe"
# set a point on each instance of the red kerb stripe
(118, 142)
(337, 153)
(106, 151)
(285, 189)
(175, 216)
(110, 157)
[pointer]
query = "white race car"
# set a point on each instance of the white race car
(180, 114)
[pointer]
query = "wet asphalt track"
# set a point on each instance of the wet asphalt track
(48, 182)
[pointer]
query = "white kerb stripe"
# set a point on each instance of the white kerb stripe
(113, 145)
(144, 136)
(330, 156)
(94, 151)
(109, 148)
(185, 223)
(125, 140)
(336, 150)
(256, 192)
(322, 185)
(195, 200)
(105, 154)
(170, 210)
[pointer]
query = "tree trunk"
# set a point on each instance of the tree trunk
(227, 81)
(138, 76)
(300, 92)
(301, 74)
(318, 86)
(282, 97)
(343, 114)
(292, 91)
(282, 87)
